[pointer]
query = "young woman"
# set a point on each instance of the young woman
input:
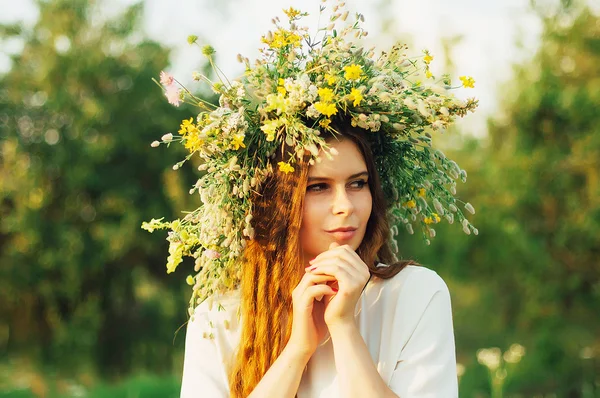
(304, 160)
(324, 310)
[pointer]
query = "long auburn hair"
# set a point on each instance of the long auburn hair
(272, 268)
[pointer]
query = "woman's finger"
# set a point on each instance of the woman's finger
(342, 272)
(346, 253)
(339, 261)
(309, 280)
(316, 292)
(312, 279)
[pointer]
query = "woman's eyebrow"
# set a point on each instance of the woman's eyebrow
(361, 174)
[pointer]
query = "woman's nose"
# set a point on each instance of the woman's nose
(342, 203)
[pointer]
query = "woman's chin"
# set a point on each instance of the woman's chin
(354, 243)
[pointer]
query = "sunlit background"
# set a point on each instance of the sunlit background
(87, 309)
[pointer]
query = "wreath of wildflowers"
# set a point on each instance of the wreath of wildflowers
(282, 103)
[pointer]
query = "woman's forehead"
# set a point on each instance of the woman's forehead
(348, 161)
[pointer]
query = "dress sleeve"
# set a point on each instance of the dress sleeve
(426, 366)
(204, 374)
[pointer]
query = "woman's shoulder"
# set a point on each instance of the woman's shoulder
(215, 314)
(405, 298)
(218, 303)
(416, 277)
(413, 287)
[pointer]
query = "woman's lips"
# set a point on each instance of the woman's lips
(342, 235)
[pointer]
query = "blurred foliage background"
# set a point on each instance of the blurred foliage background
(88, 310)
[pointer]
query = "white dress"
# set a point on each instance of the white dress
(405, 321)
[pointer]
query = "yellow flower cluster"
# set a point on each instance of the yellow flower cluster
(434, 219)
(326, 108)
(237, 141)
(187, 127)
(276, 102)
(282, 38)
(427, 58)
(325, 123)
(411, 204)
(325, 94)
(190, 135)
(331, 79)
(355, 96)
(271, 128)
(285, 167)
(292, 13)
(467, 81)
(353, 72)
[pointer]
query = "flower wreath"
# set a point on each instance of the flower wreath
(282, 102)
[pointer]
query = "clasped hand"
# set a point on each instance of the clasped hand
(326, 296)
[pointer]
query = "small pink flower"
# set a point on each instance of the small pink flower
(173, 94)
(166, 79)
(212, 254)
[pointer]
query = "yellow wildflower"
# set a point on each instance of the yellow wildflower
(421, 192)
(428, 74)
(331, 79)
(410, 204)
(291, 13)
(276, 102)
(189, 280)
(285, 167)
(270, 128)
(282, 38)
(238, 141)
(325, 123)
(434, 219)
(355, 96)
(187, 126)
(190, 133)
(325, 94)
(281, 90)
(428, 58)
(193, 143)
(155, 223)
(175, 256)
(352, 72)
(467, 81)
(325, 108)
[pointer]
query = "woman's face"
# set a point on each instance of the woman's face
(337, 203)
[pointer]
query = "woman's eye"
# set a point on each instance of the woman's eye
(316, 187)
(358, 184)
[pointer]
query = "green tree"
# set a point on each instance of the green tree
(80, 283)
(532, 276)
